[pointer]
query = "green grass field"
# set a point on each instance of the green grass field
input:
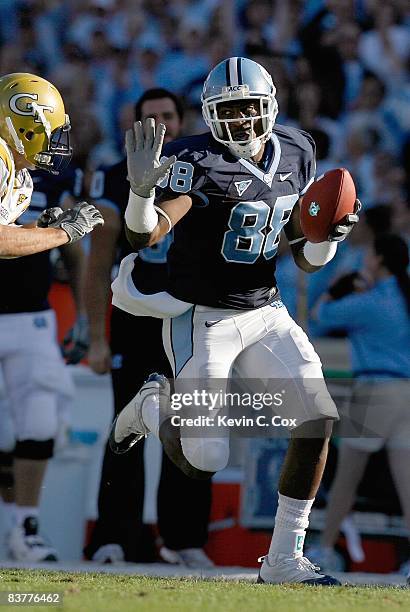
(96, 591)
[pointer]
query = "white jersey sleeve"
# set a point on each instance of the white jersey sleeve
(16, 188)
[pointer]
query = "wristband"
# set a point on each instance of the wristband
(319, 253)
(140, 215)
(166, 217)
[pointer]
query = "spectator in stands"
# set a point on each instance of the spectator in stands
(287, 18)
(373, 307)
(189, 62)
(367, 112)
(93, 15)
(388, 179)
(307, 99)
(360, 146)
(347, 41)
(401, 219)
(319, 50)
(385, 47)
(257, 17)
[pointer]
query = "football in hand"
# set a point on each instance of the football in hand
(327, 201)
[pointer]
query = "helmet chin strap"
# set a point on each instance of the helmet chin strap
(245, 151)
(16, 140)
(39, 113)
(41, 116)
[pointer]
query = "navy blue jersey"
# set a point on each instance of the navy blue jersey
(110, 188)
(28, 279)
(225, 247)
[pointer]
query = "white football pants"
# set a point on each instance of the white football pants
(38, 386)
(206, 344)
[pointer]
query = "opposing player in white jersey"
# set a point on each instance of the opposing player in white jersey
(229, 194)
(34, 133)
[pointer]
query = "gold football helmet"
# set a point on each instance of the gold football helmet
(33, 121)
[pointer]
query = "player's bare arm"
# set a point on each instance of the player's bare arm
(66, 228)
(17, 241)
(76, 340)
(174, 210)
(297, 240)
(97, 288)
(311, 257)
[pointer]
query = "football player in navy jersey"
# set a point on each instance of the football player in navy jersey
(183, 504)
(228, 194)
(37, 384)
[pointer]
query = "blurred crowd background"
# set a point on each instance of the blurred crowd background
(341, 69)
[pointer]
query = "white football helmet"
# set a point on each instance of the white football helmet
(239, 78)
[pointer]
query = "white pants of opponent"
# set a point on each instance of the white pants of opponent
(38, 387)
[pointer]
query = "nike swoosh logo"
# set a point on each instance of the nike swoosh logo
(211, 323)
(283, 177)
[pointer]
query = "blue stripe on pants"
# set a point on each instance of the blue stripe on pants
(182, 328)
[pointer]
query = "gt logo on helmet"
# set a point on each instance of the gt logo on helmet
(28, 110)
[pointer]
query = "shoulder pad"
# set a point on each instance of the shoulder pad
(6, 155)
(6, 166)
(294, 136)
(189, 147)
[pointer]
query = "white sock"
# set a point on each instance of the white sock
(291, 522)
(9, 513)
(22, 512)
(150, 414)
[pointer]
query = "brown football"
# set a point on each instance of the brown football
(326, 202)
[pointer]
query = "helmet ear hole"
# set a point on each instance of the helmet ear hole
(21, 130)
(29, 135)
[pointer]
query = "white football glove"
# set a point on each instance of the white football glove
(78, 221)
(49, 215)
(144, 148)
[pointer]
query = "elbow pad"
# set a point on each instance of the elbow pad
(140, 215)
